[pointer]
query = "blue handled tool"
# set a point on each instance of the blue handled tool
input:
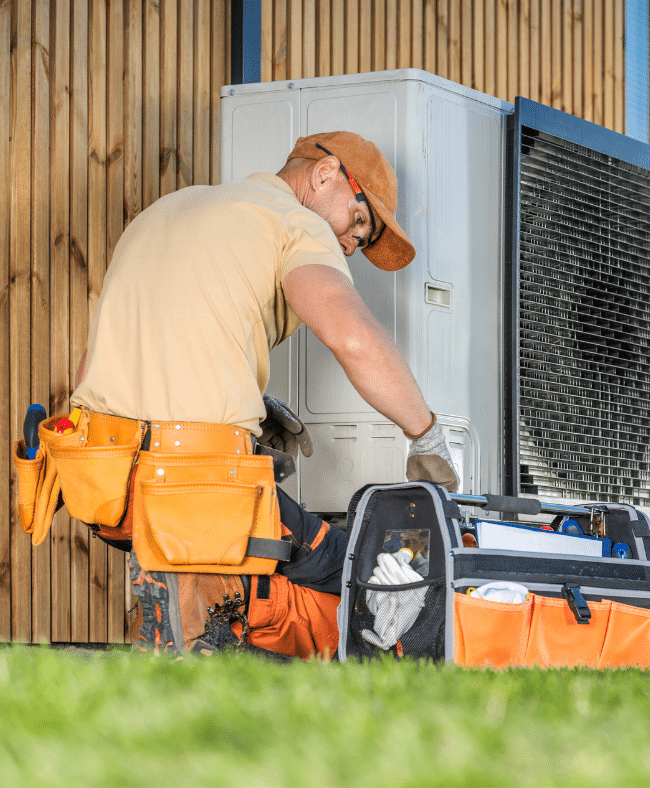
(35, 415)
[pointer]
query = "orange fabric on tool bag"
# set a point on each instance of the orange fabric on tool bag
(627, 641)
(543, 631)
(556, 638)
(294, 620)
(490, 633)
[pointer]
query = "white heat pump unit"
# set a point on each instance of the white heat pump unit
(524, 316)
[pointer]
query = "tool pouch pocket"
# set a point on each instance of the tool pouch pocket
(38, 481)
(38, 491)
(207, 513)
(94, 465)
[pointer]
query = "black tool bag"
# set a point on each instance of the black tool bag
(579, 610)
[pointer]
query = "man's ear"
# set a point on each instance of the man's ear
(325, 172)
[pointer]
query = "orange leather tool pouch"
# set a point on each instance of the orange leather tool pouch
(94, 465)
(38, 490)
(212, 513)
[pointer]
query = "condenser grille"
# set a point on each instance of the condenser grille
(583, 323)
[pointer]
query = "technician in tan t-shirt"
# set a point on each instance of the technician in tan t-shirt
(202, 285)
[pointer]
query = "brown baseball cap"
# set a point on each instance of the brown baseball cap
(367, 165)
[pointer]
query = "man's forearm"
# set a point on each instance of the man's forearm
(380, 374)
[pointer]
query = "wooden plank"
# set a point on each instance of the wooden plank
(280, 43)
(78, 267)
(309, 40)
(609, 83)
(442, 28)
(337, 51)
(535, 51)
(185, 92)
(431, 34)
(294, 51)
(567, 56)
(417, 35)
(599, 65)
(556, 54)
(168, 95)
(545, 63)
(266, 62)
(115, 128)
(351, 36)
(588, 60)
(201, 92)
(513, 50)
(20, 297)
(133, 111)
(151, 108)
(365, 35)
(97, 558)
(114, 228)
(619, 68)
(491, 44)
(578, 56)
(324, 35)
(6, 466)
(391, 34)
(404, 34)
(379, 36)
(454, 41)
(40, 329)
(219, 77)
(502, 49)
(523, 82)
(60, 292)
(467, 49)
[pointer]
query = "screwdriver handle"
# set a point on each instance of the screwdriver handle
(34, 416)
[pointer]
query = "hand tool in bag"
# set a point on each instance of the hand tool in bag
(34, 416)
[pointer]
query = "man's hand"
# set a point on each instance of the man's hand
(429, 459)
(282, 429)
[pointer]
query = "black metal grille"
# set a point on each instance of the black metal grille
(584, 322)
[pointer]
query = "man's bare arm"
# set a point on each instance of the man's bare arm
(326, 301)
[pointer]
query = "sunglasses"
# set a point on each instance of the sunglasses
(360, 196)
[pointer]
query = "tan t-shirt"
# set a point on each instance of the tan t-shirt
(192, 303)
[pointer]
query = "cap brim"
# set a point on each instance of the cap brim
(393, 251)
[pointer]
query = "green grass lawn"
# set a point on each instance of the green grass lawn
(122, 719)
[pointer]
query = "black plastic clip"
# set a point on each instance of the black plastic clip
(577, 603)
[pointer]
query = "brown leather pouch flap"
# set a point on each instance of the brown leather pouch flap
(205, 523)
(206, 513)
(94, 466)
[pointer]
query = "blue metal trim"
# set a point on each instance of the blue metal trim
(582, 132)
(246, 41)
(637, 77)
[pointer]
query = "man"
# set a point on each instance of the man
(201, 286)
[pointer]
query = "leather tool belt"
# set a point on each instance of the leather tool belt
(195, 496)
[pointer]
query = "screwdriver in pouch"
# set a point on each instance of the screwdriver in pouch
(34, 416)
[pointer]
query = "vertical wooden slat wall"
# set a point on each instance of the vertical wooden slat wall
(113, 103)
(106, 105)
(568, 54)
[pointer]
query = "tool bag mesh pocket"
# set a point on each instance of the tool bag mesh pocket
(388, 520)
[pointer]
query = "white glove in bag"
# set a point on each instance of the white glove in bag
(395, 612)
(501, 591)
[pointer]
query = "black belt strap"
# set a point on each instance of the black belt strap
(268, 548)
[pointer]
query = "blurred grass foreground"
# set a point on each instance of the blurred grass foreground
(125, 719)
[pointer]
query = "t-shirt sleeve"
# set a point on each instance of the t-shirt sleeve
(310, 241)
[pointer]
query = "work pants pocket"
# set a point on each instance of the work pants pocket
(94, 465)
(199, 513)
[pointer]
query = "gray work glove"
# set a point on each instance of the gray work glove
(282, 429)
(429, 459)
